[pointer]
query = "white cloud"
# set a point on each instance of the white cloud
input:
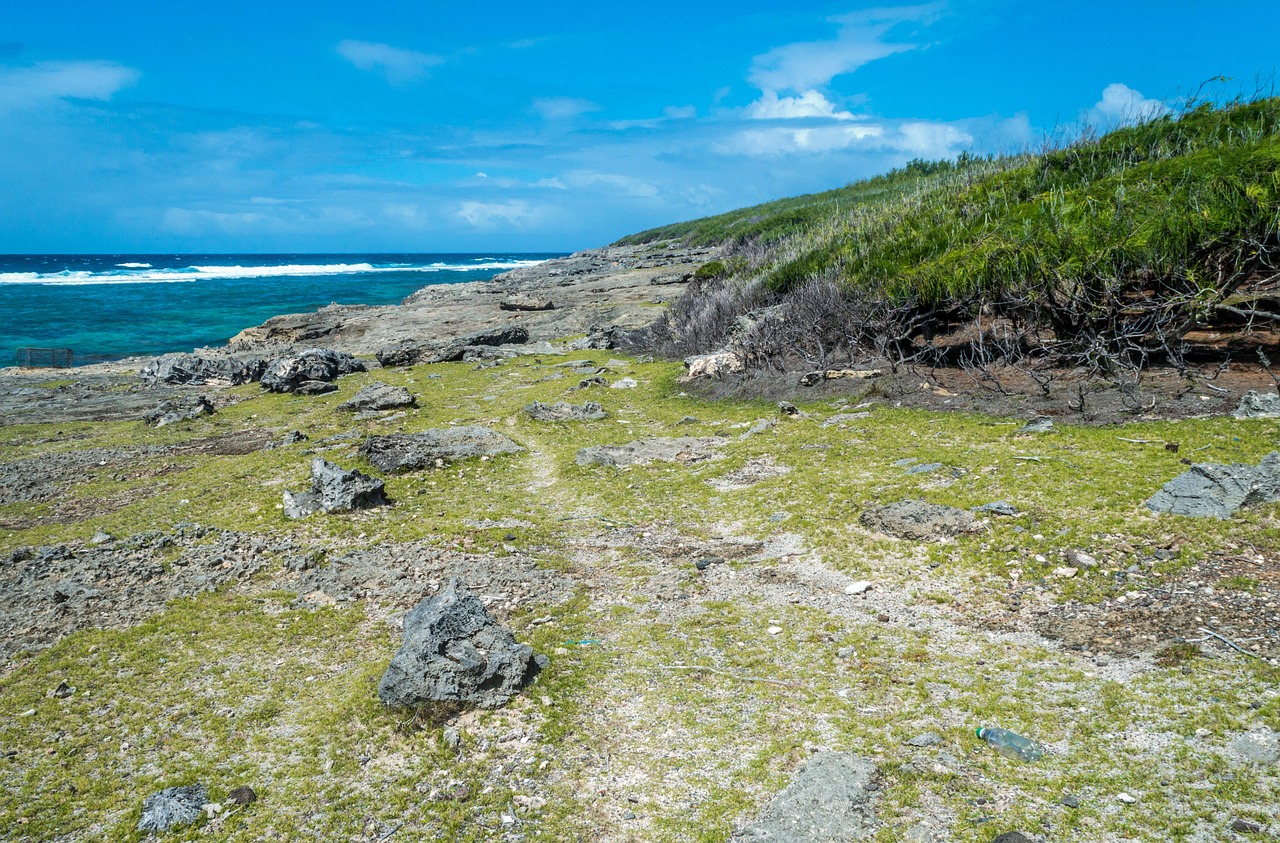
(929, 140)
(784, 141)
(563, 108)
(1121, 104)
(625, 185)
(396, 64)
(809, 104)
(492, 214)
(861, 39)
(50, 81)
(680, 112)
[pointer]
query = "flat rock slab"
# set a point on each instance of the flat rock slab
(913, 519)
(173, 807)
(1260, 746)
(379, 396)
(455, 652)
(305, 372)
(684, 449)
(829, 800)
(1208, 490)
(334, 489)
(435, 448)
(564, 411)
(414, 352)
(522, 302)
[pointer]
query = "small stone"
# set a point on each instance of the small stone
(882, 618)
(1065, 573)
(63, 691)
(706, 562)
(1040, 424)
(774, 630)
(451, 737)
(1013, 837)
(625, 383)
(926, 739)
(1080, 559)
(31, 712)
(1245, 826)
(212, 809)
(846, 653)
(788, 409)
(1070, 800)
(859, 587)
(242, 795)
(1126, 798)
(100, 537)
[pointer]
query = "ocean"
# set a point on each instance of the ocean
(104, 307)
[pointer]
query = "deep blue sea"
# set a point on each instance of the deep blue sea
(104, 307)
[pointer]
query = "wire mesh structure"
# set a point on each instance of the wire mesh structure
(45, 358)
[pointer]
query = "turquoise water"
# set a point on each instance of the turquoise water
(104, 307)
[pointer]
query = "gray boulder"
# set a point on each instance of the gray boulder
(1208, 490)
(432, 448)
(413, 352)
(913, 519)
(379, 396)
(179, 409)
(829, 800)
(600, 338)
(309, 373)
(684, 449)
(334, 489)
(203, 371)
(173, 807)
(1258, 405)
(564, 411)
(455, 652)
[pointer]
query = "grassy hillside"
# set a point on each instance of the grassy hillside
(1119, 246)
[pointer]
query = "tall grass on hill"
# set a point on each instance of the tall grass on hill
(1110, 252)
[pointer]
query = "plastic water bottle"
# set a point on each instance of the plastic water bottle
(1011, 745)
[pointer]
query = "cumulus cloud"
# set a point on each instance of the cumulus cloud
(808, 104)
(861, 38)
(563, 108)
(909, 138)
(1121, 104)
(51, 81)
(396, 64)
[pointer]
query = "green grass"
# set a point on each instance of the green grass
(668, 699)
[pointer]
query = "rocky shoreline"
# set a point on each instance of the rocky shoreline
(616, 288)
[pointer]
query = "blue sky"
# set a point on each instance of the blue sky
(426, 126)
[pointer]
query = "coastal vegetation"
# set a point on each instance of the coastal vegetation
(1114, 253)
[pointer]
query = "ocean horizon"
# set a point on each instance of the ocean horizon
(110, 306)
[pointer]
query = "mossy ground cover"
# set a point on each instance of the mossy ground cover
(678, 701)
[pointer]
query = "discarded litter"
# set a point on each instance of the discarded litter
(1011, 745)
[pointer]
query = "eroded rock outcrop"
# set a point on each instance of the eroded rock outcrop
(1258, 405)
(179, 409)
(455, 652)
(334, 489)
(310, 372)
(435, 448)
(1208, 490)
(413, 352)
(379, 396)
(197, 370)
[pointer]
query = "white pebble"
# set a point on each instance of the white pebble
(858, 587)
(1124, 797)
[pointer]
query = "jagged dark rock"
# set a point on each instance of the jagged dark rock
(179, 409)
(379, 396)
(913, 519)
(226, 370)
(455, 652)
(600, 337)
(1208, 490)
(413, 352)
(433, 448)
(830, 799)
(564, 411)
(334, 489)
(524, 302)
(173, 808)
(304, 372)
